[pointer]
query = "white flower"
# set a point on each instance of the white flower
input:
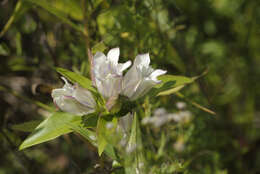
(108, 73)
(159, 118)
(74, 99)
(181, 105)
(140, 78)
(181, 116)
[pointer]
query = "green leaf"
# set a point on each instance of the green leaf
(179, 80)
(162, 146)
(96, 3)
(54, 126)
(18, 42)
(76, 78)
(72, 9)
(101, 140)
(98, 47)
(20, 8)
(4, 50)
(106, 128)
(26, 126)
(171, 91)
(170, 84)
(90, 120)
(56, 12)
(135, 160)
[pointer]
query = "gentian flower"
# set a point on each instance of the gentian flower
(108, 73)
(140, 78)
(74, 99)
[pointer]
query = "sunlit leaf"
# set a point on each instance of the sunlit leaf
(179, 80)
(170, 84)
(72, 8)
(98, 47)
(76, 78)
(51, 128)
(105, 132)
(101, 140)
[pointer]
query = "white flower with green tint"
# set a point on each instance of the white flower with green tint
(108, 73)
(74, 99)
(140, 78)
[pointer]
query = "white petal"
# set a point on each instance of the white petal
(57, 92)
(157, 73)
(98, 61)
(84, 97)
(100, 66)
(123, 66)
(66, 91)
(160, 112)
(110, 86)
(140, 78)
(69, 104)
(113, 55)
(99, 58)
(65, 81)
(100, 86)
(131, 82)
(142, 60)
(142, 89)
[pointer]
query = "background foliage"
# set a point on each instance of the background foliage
(184, 37)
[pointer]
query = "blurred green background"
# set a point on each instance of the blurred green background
(220, 37)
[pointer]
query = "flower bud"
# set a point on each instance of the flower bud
(74, 99)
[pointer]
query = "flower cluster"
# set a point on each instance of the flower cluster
(110, 82)
(161, 116)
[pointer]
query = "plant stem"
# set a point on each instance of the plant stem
(87, 40)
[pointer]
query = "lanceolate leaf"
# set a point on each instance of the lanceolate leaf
(179, 80)
(170, 84)
(171, 91)
(135, 162)
(105, 132)
(76, 78)
(101, 140)
(54, 126)
(56, 12)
